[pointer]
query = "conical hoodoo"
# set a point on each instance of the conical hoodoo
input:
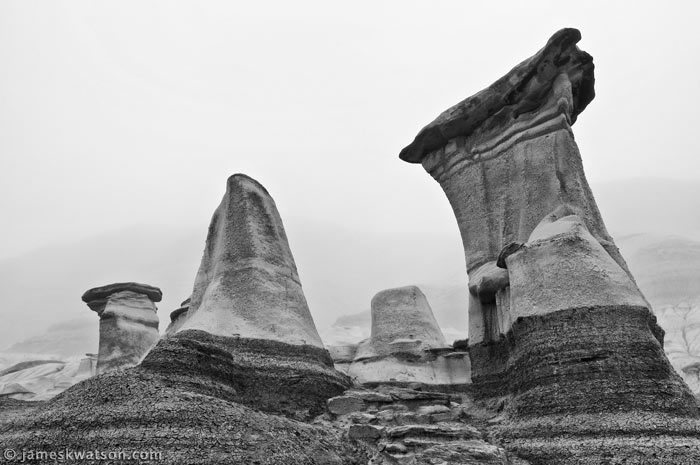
(236, 378)
(247, 285)
(247, 305)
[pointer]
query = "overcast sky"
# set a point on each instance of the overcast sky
(129, 113)
(128, 116)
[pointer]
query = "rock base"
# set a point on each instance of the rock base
(271, 376)
(199, 398)
(585, 360)
(140, 410)
(433, 367)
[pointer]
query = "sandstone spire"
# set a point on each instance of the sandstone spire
(247, 284)
(128, 322)
(246, 328)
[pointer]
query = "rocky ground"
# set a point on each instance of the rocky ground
(384, 425)
(414, 425)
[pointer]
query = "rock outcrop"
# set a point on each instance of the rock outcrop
(128, 322)
(581, 326)
(406, 344)
(238, 382)
(178, 316)
(418, 426)
(38, 380)
(247, 302)
(247, 285)
(88, 366)
(562, 339)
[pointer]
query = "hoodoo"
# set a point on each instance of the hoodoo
(247, 305)
(237, 382)
(562, 337)
(406, 344)
(247, 285)
(128, 322)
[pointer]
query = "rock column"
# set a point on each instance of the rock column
(563, 336)
(128, 322)
(248, 331)
(406, 344)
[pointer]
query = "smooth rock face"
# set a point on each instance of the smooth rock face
(247, 284)
(564, 332)
(442, 368)
(402, 321)
(564, 267)
(128, 323)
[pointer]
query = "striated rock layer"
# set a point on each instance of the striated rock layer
(237, 382)
(247, 304)
(563, 332)
(406, 344)
(178, 317)
(128, 322)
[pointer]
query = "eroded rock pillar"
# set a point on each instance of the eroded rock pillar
(128, 322)
(559, 332)
(506, 158)
(248, 327)
(406, 344)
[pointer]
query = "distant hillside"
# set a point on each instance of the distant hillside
(341, 267)
(43, 288)
(667, 269)
(650, 205)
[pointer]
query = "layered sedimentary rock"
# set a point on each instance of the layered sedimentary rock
(178, 316)
(236, 383)
(342, 356)
(563, 336)
(406, 344)
(128, 322)
(418, 426)
(248, 303)
(583, 330)
(247, 327)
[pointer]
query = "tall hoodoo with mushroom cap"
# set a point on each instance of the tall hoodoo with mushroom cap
(558, 329)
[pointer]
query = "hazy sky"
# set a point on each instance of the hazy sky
(117, 116)
(114, 114)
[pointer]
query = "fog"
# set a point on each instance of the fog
(127, 116)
